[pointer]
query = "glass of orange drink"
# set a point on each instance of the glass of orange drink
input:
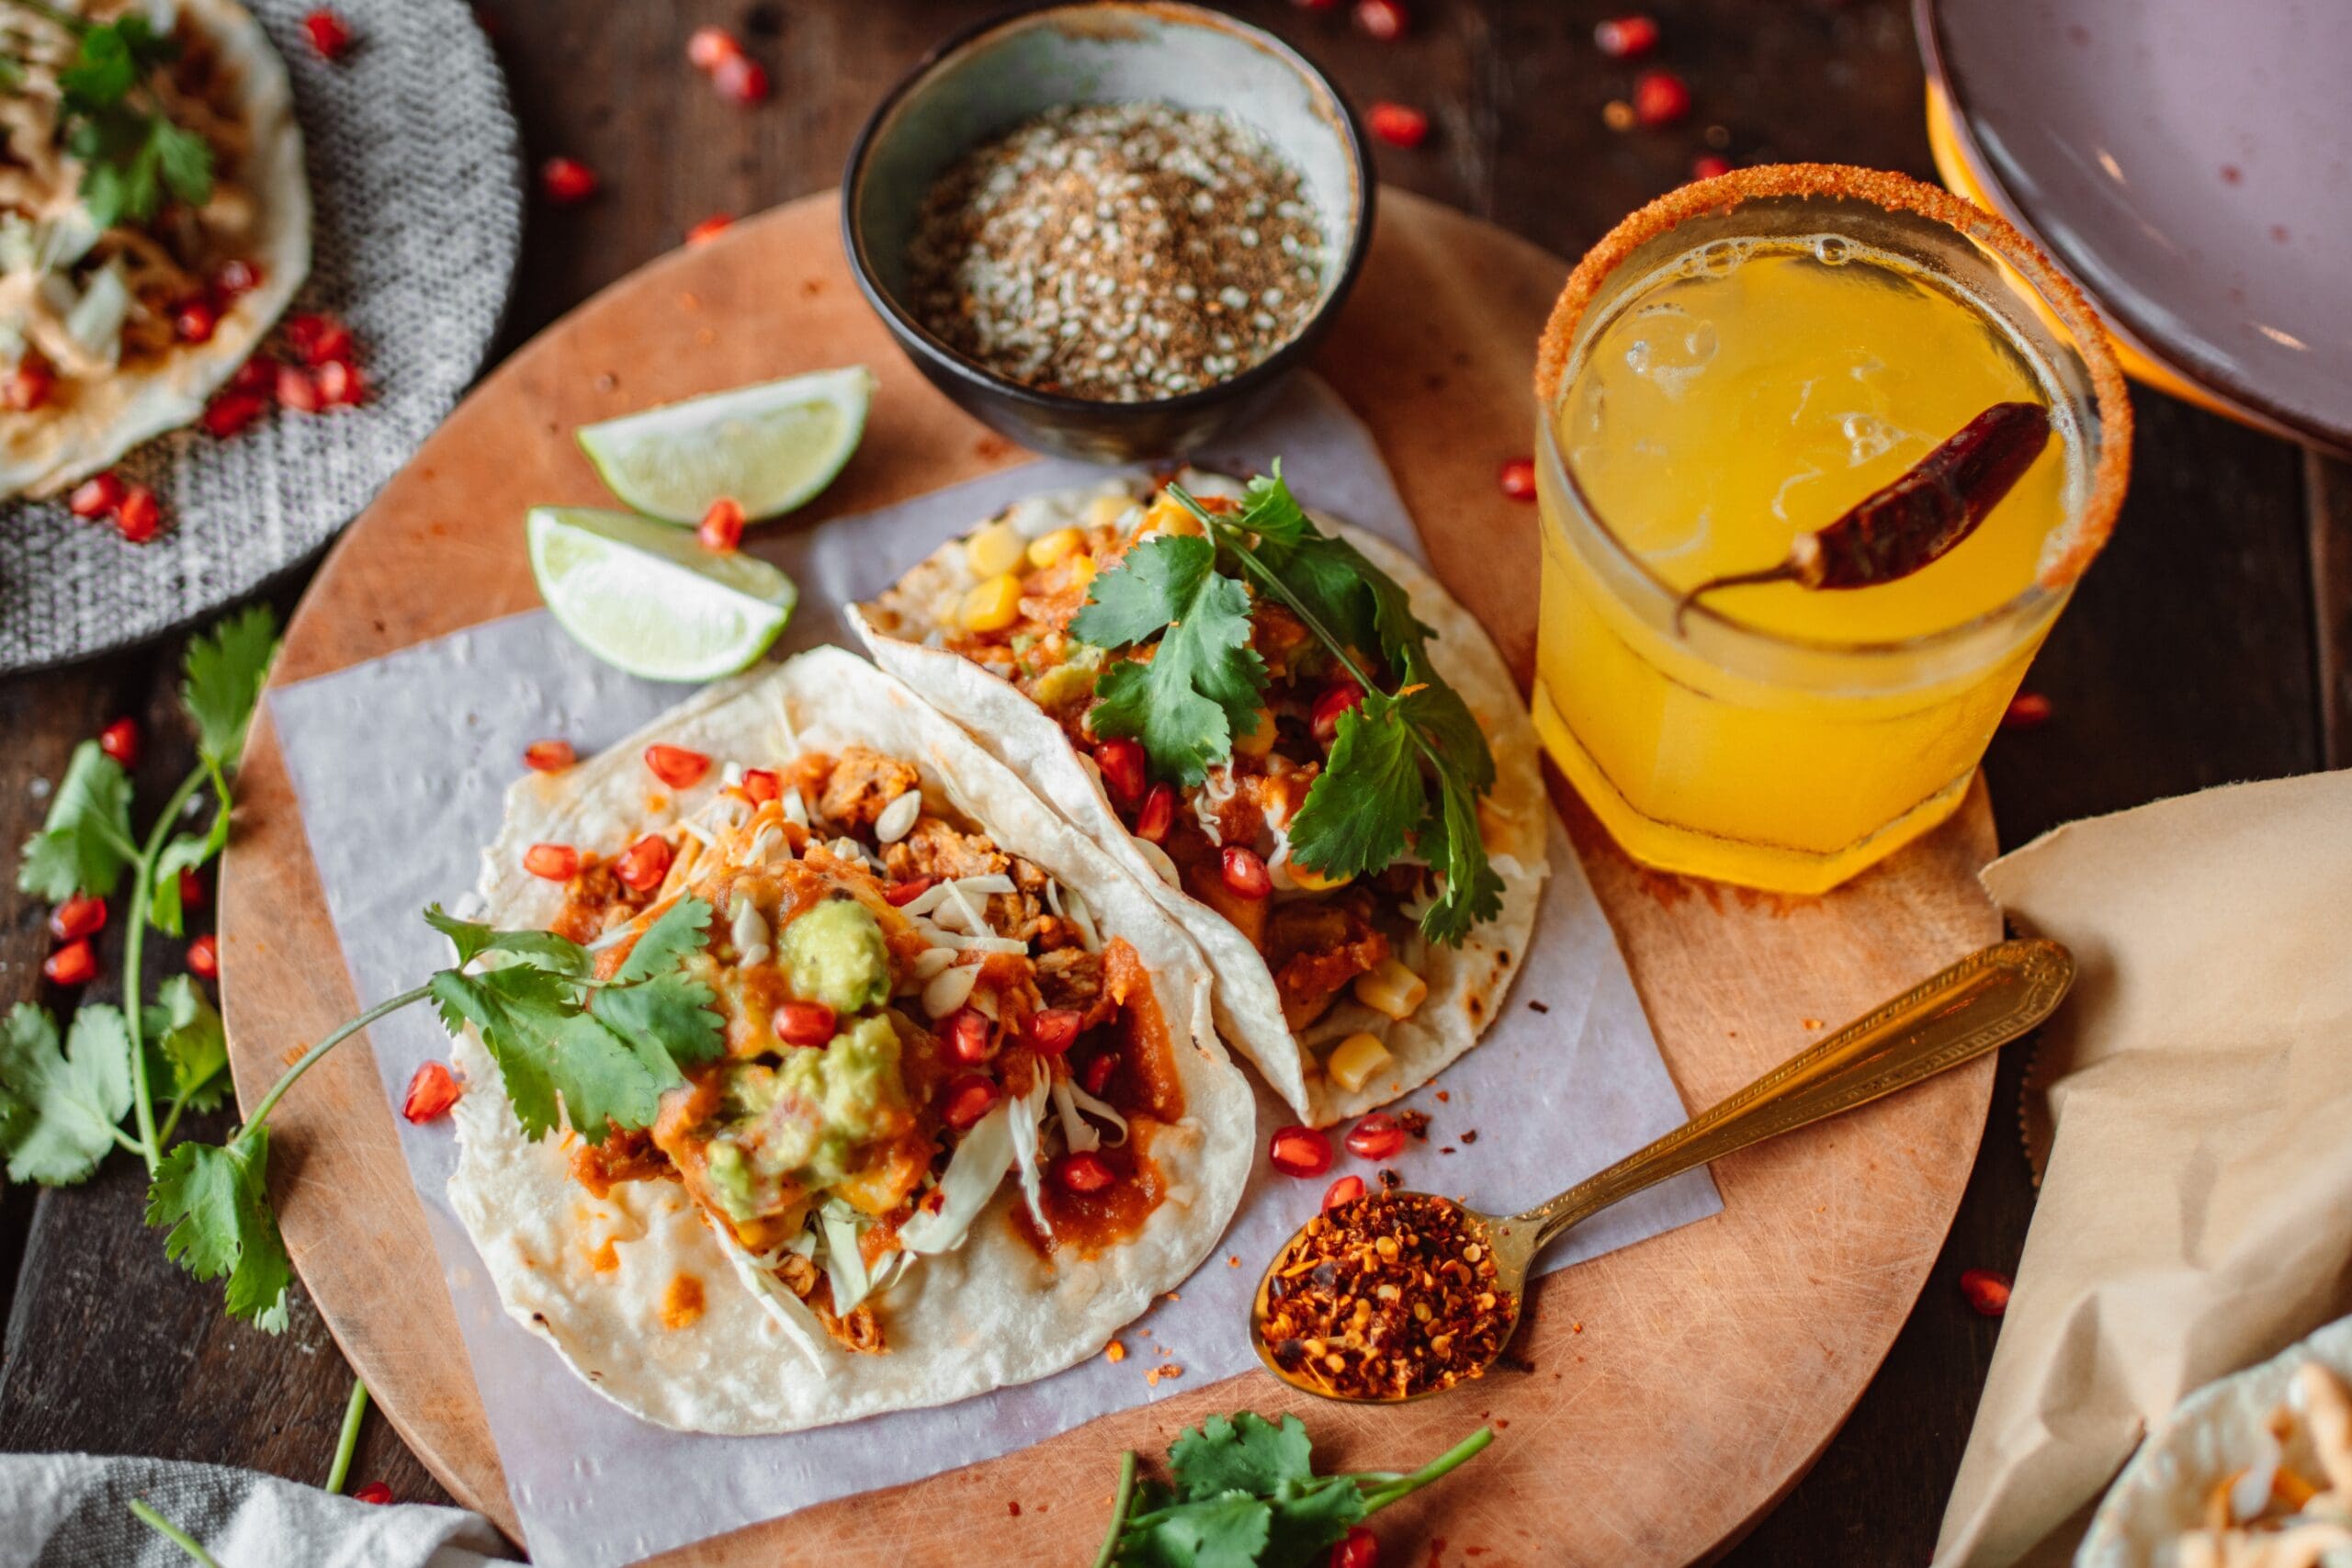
(1733, 368)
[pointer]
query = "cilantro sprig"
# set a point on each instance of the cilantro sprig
(1242, 1492)
(130, 151)
(1408, 762)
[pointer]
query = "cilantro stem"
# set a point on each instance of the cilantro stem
(277, 1090)
(1281, 590)
(126, 1140)
(1466, 1449)
(134, 1008)
(173, 1533)
(1119, 1507)
(345, 1444)
(171, 1119)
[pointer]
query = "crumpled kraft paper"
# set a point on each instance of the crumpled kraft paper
(2197, 1214)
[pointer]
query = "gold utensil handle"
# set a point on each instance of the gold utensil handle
(1979, 1004)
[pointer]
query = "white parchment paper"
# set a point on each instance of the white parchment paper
(400, 765)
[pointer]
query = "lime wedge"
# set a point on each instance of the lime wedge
(649, 599)
(770, 447)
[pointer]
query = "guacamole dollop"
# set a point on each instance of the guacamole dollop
(836, 955)
(804, 1119)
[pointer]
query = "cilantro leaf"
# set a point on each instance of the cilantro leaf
(84, 845)
(545, 948)
(1218, 1533)
(1451, 841)
(1243, 1452)
(1203, 680)
(1271, 512)
(1369, 797)
(216, 1199)
(1307, 1521)
(68, 1102)
(224, 671)
(189, 1049)
(185, 160)
(187, 852)
(682, 930)
(666, 1019)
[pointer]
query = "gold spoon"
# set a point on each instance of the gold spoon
(1978, 1005)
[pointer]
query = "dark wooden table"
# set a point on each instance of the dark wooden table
(2208, 645)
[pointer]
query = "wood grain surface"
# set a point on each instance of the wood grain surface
(2207, 644)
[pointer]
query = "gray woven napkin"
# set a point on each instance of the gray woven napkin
(415, 179)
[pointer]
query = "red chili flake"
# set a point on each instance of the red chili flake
(204, 957)
(710, 228)
(191, 891)
(231, 411)
(29, 384)
(121, 741)
(329, 34)
(556, 863)
(195, 321)
(1053, 1031)
(1097, 1076)
(1377, 1136)
(1626, 38)
(2026, 710)
(73, 964)
(431, 1092)
(1399, 125)
(296, 389)
(967, 1100)
(1158, 813)
(140, 516)
(1083, 1173)
(676, 766)
(760, 785)
(1661, 98)
(1517, 478)
(97, 496)
(1986, 1290)
(1338, 698)
(341, 384)
(549, 756)
(901, 894)
(721, 530)
(375, 1492)
(1347, 1189)
(82, 915)
(1383, 20)
(317, 337)
(1300, 1151)
(644, 863)
(1417, 1123)
(968, 1033)
(1121, 761)
(1245, 872)
(1358, 1549)
(567, 181)
(235, 279)
(742, 80)
(1709, 165)
(805, 1023)
(708, 47)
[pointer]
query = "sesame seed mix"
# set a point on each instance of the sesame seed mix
(1119, 251)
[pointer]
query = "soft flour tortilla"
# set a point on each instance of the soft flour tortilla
(44, 452)
(1466, 984)
(2212, 1436)
(989, 1313)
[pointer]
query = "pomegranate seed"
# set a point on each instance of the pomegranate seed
(195, 321)
(1399, 125)
(1659, 98)
(676, 766)
(1245, 872)
(968, 1098)
(95, 497)
(1121, 761)
(1986, 1291)
(721, 529)
(709, 48)
(1709, 165)
(431, 1092)
(2026, 710)
(1083, 1173)
(1315, 5)
(741, 80)
(121, 741)
(30, 384)
(1377, 1136)
(1358, 1549)
(375, 1492)
(1626, 38)
(567, 181)
(1300, 1151)
(204, 957)
(73, 964)
(1347, 1189)
(80, 916)
(1518, 478)
(140, 516)
(191, 891)
(902, 893)
(1382, 19)
(341, 385)
(549, 756)
(1159, 814)
(557, 862)
(318, 337)
(235, 279)
(258, 374)
(1053, 1031)
(760, 785)
(805, 1023)
(968, 1031)
(1338, 698)
(296, 389)
(329, 34)
(644, 863)
(1097, 1076)
(710, 228)
(231, 411)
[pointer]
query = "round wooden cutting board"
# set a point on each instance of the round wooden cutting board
(1680, 1386)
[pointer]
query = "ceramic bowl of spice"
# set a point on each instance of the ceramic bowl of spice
(1109, 230)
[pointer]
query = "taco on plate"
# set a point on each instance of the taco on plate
(969, 1115)
(154, 219)
(1308, 749)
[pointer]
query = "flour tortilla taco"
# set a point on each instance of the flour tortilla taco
(1347, 984)
(971, 1115)
(132, 287)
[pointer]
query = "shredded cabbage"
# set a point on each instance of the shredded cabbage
(844, 1264)
(95, 322)
(1083, 919)
(795, 1316)
(1093, 1107)
(966, 1186)
(1026, 1109)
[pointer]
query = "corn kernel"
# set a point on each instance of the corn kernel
(1081, 570)
(1171, 514)
(1392, 988)
(1313, 881)
(994, 550)
(1047, 548)
(992, 605)
(1108, 508)
(1357, 1057)
(1260, 740)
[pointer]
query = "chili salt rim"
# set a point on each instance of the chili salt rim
(1895, 193)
